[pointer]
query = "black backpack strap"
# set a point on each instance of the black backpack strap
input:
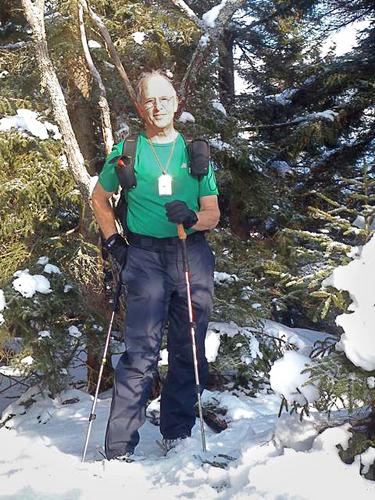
(199, 156)
(126, 175)
(125, 163)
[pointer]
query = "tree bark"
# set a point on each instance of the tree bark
(226, 69)
(113, 52)
(103, 103)
(211, 36)
(34, 12)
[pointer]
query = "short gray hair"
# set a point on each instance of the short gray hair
(147, 75)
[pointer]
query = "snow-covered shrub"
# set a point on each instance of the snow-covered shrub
(48, 313)
(241, 357)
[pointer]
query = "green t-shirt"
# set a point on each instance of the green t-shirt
(146, 213)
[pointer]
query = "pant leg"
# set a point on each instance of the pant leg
(177, 412)
(147, 304)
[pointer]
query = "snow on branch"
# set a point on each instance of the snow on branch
(34, 12)
(103, 103)
(215, 21)
(114, 55)
(327, 115)
(188, 11)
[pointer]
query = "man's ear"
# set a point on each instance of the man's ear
(176, 103)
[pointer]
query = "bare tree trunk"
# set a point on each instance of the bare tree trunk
(79, 85)
(34, 11)
(211, 36)
(226, 69)
(114, 55)
(103, 103)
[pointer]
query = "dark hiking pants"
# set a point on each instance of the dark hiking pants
(156, 298)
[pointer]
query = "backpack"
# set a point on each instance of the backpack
(199, 158)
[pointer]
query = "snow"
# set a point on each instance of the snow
(51, 269)
(209, 18)
(301, 338)
(93, 44)
(186, 117)
(287, 380)
(212, 345)
(139, 37)
(10, 371)
(282, 167)
(284, 98)
(74, 332)
(273, 458)
(204, 40)
(42, 260)
(368, 458)
(224, 278)
(290, 432)
(2, 300)
(28, 360)
(360, 222)
(219, 107)
(27, 120)
(220, 145)
(325, 115)
(358, 324)
(44, 334)
(27, 284)
(44, 443)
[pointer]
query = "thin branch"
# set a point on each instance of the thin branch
(291, 123)
(113, 52)
(103, 103)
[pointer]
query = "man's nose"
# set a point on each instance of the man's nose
(157, 103)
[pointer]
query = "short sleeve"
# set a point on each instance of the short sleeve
(207, 183)
(108, 178)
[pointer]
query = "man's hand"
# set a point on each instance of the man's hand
(117, 247)
(179, 213)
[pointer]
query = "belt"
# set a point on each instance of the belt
(159, 244)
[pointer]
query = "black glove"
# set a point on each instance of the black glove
(179, 213)
(117, 247)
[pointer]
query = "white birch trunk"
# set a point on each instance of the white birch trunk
(34, 11)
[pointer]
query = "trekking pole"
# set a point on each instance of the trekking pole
(182, 237)
(92, 417)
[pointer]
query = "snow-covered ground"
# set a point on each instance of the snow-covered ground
(279, 459)
(273, 458)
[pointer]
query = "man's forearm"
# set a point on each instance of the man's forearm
(207, 219)
(105, 217)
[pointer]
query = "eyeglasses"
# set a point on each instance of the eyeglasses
(164, 101)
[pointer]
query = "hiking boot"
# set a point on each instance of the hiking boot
(168, 444)
(126, 457)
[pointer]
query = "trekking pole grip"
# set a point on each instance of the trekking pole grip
(181, 232)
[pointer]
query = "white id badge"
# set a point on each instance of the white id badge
(165, 185)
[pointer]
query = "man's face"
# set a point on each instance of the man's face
(159, 103)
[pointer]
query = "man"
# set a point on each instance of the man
(166, 194)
